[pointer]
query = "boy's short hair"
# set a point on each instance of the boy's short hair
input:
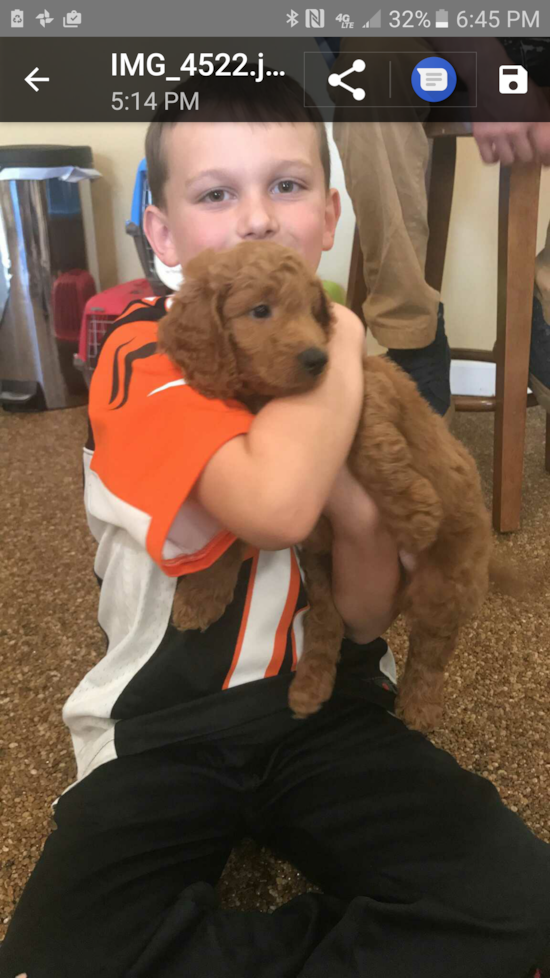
(242, 99)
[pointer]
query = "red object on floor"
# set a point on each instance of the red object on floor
(102, 309)
(70, 292)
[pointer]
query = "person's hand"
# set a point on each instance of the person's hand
(499, 141)
(509, 142)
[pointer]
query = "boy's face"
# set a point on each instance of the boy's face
(236, 181)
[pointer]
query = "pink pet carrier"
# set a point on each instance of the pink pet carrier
(71, 290)
(100, 311)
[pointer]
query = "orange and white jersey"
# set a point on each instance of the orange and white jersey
(150, 436)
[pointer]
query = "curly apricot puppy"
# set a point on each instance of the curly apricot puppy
(253, 323)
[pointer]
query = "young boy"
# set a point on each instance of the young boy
(184, 741)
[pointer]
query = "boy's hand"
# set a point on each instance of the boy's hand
(347, 328)
(366, 573)
(408, 562)
(349, 508)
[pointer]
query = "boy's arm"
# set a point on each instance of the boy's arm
(366, 572)
(268, 487)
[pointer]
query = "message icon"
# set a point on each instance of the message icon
(433, 79)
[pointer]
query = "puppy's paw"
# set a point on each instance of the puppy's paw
(311, 687)
(198, 615)
(302, 704)
(419, 713)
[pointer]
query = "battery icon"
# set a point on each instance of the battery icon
(442, 18)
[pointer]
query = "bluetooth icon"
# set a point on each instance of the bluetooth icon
(292, 18)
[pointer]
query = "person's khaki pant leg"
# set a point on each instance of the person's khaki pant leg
(542, 292)
(385, 167)
(542, 277)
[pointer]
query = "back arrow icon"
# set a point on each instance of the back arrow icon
(32, 77)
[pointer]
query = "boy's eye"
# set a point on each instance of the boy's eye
(286, 185)
(262, 311)
(214, 196)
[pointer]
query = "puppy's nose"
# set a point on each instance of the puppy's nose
(313, 360)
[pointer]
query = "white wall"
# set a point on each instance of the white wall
(469, 285)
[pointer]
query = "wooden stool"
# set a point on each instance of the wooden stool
(517, 230)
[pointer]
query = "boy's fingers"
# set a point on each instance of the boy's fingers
(409, 561)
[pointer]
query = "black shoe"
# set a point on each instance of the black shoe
(430, 367)
(539, 360)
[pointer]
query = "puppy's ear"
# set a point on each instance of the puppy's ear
(193, 332)
(322, 308)
(215, 270)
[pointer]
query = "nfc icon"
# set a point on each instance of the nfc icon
(315, 17)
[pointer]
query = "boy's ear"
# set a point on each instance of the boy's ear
(333, 211)
(158, 235)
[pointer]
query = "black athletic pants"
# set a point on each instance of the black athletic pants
(425, 873)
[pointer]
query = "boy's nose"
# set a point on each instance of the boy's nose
(257, 219)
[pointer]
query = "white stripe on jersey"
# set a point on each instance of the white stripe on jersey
(266, 609)
(298, 631)
(387, 666)
(172, 383)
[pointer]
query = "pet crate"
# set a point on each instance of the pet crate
(99, 312)
(134, 227)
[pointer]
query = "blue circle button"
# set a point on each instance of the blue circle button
(434, 79)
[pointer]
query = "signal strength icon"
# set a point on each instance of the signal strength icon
(375, 20)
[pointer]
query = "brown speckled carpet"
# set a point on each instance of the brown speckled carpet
(498, 693)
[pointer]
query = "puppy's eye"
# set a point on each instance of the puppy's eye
(261, 312)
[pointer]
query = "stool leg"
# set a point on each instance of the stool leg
(440, 202)
(518, 213)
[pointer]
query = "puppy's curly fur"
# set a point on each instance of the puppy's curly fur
(253, 323)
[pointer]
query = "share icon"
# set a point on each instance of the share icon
(335, 79)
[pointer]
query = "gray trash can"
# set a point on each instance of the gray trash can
(48, 267)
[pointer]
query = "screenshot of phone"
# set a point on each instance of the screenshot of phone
(402, 154)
